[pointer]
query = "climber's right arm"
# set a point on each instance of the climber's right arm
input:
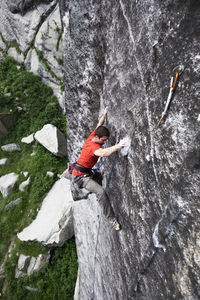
(107, 151)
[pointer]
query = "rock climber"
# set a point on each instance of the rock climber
(82, 177)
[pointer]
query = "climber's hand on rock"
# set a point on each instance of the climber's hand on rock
(123, 143)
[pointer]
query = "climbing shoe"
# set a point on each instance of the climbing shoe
(113, 221)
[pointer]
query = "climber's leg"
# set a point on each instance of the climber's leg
(102, 197)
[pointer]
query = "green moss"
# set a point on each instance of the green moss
(46, 64)
(59, 32)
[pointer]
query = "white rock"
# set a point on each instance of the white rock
(31, 266)
(50, 174)
(23, 262)
(46, 41)
(52, 139)
(53, 224)
(24, 184)
(32, 62)
(25, 174)
(19, 274)
(125, 150)
(3, 161)
(41, 261)
(29, 139)
(33, 153)
(11, 147)
(7, 182)
(48, 35)
(28, 265)
(17, 56)
(198, 119)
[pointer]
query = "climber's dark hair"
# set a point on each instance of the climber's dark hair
(102, 131)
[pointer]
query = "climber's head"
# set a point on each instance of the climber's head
(101, 135)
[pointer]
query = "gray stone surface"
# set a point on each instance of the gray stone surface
(12, 203)
(121, 54)
(11, 147)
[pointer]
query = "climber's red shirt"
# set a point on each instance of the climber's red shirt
(87, 157)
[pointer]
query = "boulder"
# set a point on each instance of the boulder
(28, 265)
(29, 139)
(24, 184)
(40, 262)
(53, 224)
(52, 139)
(3, 161)
(7, 182)
(12, 203)
(23, 262)
(11, 147)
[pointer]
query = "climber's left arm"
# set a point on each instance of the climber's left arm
(102, 119)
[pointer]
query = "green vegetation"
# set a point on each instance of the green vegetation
(57, 281)
(19, 88)
(59, 31)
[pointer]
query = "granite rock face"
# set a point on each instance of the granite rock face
(122, 54)
(31, 32)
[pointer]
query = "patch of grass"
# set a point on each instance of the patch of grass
(29, 248)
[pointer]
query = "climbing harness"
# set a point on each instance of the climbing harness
(173, 83)
(100, 216)
(94, 170)
(79, 167)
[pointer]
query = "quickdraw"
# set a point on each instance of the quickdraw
(173, 83)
